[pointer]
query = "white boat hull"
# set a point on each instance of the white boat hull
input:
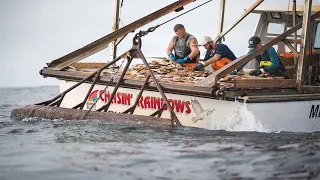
(295, 116)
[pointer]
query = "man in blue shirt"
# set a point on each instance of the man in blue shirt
(217, 55)
(268, 60)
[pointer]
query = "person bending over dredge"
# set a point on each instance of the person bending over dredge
(217, 55)
(185, 46)
(268, 60)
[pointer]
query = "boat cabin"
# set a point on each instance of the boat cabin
(276, 20)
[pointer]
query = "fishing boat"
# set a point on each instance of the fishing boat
(102, 91)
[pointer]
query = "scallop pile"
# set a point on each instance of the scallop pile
(166, 71)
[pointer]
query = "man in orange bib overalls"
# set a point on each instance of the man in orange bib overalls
(217, 55)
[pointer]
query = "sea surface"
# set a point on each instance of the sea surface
(60, 149)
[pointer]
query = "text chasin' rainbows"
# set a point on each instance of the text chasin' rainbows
(145, 102)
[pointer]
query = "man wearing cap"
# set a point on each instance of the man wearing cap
(268, 60)
(185, 46)
(217, 55)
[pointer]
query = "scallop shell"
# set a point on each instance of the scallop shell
(154, 62)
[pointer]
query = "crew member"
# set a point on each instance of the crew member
(185, 46)
(268, 60)
(217, 55)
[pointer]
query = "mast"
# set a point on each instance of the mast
(294, 15)
(115, 27)
(302, 53)
(246, 13)
(221, 20)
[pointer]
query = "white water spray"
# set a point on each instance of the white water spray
(239, 119)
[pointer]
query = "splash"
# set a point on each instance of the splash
(239, 119)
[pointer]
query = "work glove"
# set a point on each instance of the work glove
(234, 72)
(184, 60)
(180, 61)
(256, 72)
(171, 57)
(199, 66)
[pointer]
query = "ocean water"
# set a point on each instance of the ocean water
(46, 149)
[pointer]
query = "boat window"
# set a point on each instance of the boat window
(298, 32)
(317, 39)
(288, 50)
(275, 47)
(275, 28)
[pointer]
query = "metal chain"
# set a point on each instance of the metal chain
(143, 33)
(109, 83)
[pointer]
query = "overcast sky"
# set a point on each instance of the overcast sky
(35, 32)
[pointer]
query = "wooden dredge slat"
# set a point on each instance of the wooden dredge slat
(264, 83)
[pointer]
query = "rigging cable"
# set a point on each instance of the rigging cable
(185, 13)
(151, 29)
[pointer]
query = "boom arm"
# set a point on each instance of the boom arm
(103, 42)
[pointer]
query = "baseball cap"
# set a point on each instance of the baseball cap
(253, 41)
(205, 40)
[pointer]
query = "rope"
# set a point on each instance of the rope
(109, 83)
